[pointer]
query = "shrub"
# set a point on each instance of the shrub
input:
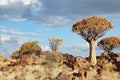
(30, 48)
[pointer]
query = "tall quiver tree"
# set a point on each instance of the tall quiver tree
(55, 43)
(91, 29)
(109, 43)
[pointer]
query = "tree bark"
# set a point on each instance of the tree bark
(92, 55)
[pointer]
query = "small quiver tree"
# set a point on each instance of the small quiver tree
(55, 43)
(30, 48)
(91, 29)
(109, 43)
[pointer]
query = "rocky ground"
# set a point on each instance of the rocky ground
(59, 66)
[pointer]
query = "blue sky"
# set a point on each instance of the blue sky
(30, 20)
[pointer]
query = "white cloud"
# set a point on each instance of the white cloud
(4, 38)
(27, 2)
(3, 2)
(18, 10)
(11, 39)
(45, 48)
(51, 21)
(77, 49)
(57, 12)
(81, 49)
(2, 27)
(9, 43)
(13, 31)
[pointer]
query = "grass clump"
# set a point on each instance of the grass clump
(108, 67)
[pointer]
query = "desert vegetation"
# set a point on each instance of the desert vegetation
(30, 62)
(109, 43)
(55, 43)
(91, 29)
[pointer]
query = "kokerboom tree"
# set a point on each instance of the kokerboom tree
(91, 29)
(55, 43)
(109, 43)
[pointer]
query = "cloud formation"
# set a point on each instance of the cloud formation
(17, 10)
(45, 48)
(77, 49)
(51, 13)
(12, 31)
(8, 44)
(80, 49)
(57, 12)
(11, 39)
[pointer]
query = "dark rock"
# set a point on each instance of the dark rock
(26, 60)
(63, 76)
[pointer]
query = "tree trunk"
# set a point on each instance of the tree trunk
(92, 55)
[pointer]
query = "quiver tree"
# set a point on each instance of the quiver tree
(55, 43)
(30, 48)
(109, 43)
(91, 29)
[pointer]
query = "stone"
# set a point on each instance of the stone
(26, 60)
(107, 75)
(63, 76)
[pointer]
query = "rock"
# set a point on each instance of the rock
(82, 63)
(82, 74)
(87, 74)
(1, 58)
(107, 75)
(69, 60)
(26, 60)
(4, 68)
(101, 61)
(63, 76)
(91, 74)
(104, 54)
(117, 57)
(117, 54)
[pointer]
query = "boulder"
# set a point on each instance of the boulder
(87, 74)
(82, 63)
(107, 75)
(1, 58)
(69, 60)
(104, 54)
(63, 76)
(26, 60)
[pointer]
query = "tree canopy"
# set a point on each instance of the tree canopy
(30, 48)
(109, 43)
(92, 28)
